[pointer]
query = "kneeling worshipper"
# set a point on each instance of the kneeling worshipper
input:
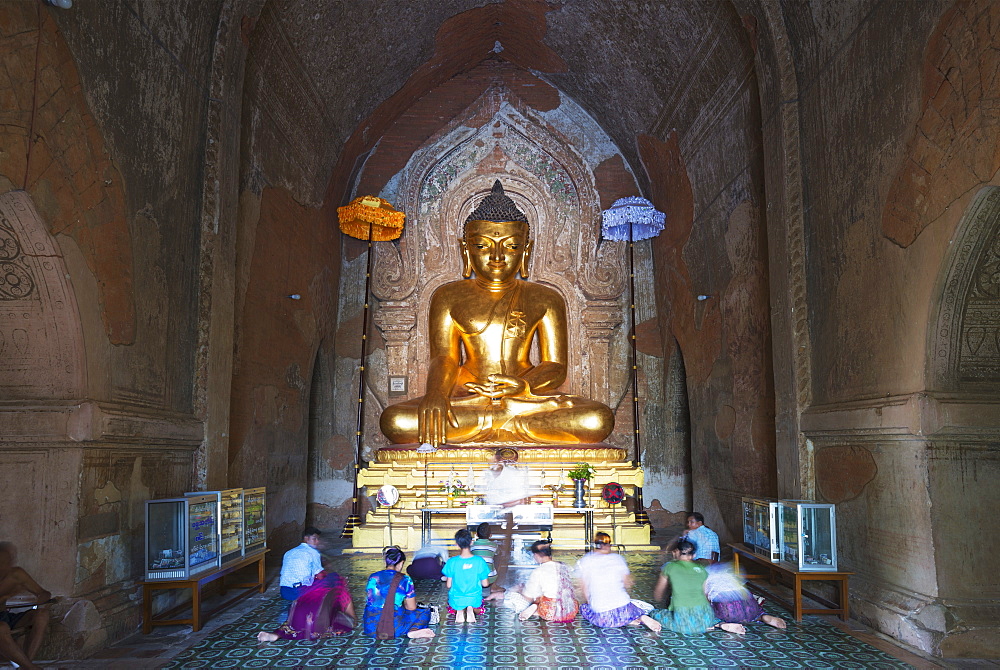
(732, 601)
(323, 609)
(689, 611)
(427, 562)
(606, 579)
(548, 591)
(392, 599)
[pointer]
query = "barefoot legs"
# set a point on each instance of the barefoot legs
(528, 613)
(651, 623)
(770, 620)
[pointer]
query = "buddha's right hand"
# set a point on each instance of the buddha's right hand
(431, 416)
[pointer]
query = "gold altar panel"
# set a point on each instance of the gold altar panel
(482, 454)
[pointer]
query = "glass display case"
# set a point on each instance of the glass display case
(182, 538)
(748, 523)
(254, 520)
(230, 516)
(809, 535)
(761, 531)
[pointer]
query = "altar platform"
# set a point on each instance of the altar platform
(422, 481)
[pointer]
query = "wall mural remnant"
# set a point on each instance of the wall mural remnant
(41, 341)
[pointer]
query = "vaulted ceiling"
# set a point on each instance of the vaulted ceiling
(335, 75)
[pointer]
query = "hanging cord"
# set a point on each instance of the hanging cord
(34, 102)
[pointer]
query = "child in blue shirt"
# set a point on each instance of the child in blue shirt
(467, 575)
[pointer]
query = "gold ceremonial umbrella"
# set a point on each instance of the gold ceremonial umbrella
(373, 219)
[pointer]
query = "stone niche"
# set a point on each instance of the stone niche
(553, 183)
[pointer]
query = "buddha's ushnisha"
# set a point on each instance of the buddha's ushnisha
(497, 395)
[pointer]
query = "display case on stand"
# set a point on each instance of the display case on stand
(809, 535)
(182, 538)
(761, 530)
(254, 520)
(230, 515)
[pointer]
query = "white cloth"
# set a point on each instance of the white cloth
(544, 581)
(299, 565)
(504, 485)
(603, 575)
(515, 601)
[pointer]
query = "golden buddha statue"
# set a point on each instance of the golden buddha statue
(497, 395)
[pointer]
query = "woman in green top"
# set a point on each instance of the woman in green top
(689, 612)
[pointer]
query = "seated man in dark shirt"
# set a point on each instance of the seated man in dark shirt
(14, 581)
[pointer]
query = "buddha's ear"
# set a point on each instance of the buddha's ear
(466, 261)
(526, 259)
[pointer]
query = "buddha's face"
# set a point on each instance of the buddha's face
(496, 251)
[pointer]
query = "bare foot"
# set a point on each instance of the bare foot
(264, 636)
(528, 613)
(470, 614)
(422, 632)
(777, 622)
(733, 628)
(460, 616)
(651, 623)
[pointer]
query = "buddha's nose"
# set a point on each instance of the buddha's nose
(496, 254)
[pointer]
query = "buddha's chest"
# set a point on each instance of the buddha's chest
(487, 318)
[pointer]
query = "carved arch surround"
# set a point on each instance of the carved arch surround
(964, 341)
(41, 337)
(554, 186)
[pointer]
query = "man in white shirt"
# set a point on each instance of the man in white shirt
(301, 565)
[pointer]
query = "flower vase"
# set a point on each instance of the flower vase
(579, 494)
(451, 500)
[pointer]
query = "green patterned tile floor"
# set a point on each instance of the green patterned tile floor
(500, 640)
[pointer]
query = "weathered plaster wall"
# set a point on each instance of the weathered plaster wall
(294, 253)
(102, 107)
(712, 284)
(287, 244)
(881, 214)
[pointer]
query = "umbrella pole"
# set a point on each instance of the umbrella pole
(354, 520)
(640, 510)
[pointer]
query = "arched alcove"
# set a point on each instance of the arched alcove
(964, 341)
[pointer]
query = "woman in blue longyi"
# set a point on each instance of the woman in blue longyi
(408, 619)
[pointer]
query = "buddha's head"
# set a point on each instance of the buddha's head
(496, 243)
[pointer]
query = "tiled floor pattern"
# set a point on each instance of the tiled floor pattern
(500, 640)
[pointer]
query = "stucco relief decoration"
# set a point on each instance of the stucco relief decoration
(980, 358)
(438, 189)
(966, 346)
(41, 339)
(15, 280)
